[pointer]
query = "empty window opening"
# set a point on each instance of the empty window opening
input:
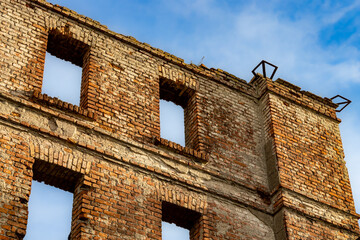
(177, 113)
(51, 201)
(172, 232)
(66, 65)
(172, 125)
(179, 223)
(50, 211)
(62, 79)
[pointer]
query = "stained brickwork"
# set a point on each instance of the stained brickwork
(263, 160)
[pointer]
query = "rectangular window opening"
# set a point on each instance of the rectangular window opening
(50, 211)
(51, 201)
(172, 125)
(62, 79)
(179, 223)
(65, 68)
(177, 113)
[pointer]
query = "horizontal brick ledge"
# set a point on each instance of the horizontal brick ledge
(55, 102)
(110, 156)
(199, 156)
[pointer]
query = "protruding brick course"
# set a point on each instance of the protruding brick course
(263, 160)
(61, 105)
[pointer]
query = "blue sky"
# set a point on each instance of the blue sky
(315, 44)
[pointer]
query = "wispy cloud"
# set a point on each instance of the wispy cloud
(337, 12)
(256, 32)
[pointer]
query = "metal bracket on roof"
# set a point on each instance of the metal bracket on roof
(345, 103)
(262, 63)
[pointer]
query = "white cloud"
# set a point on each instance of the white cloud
(237, 41)
(333, 17)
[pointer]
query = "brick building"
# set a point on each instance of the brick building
(263, 160)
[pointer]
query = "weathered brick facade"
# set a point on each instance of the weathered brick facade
(263, 160)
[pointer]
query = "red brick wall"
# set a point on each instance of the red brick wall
(252, 149)
(309, 161)
(232, 131)
(15, 181)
